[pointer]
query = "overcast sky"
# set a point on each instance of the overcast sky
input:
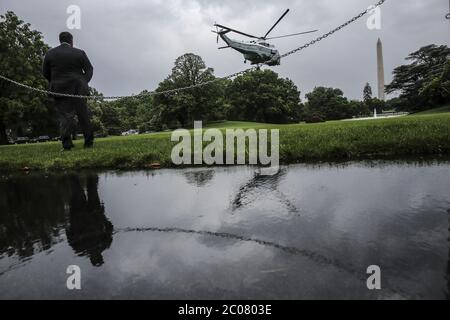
(133, 44)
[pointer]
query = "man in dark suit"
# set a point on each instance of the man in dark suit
(69, 71)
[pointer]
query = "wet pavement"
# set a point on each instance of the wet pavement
(309, 232)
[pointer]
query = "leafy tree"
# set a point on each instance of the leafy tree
(425, 82)
(127, 113)
(21, 56)
(436, 91)
(110, 118)
(359, 109)
(262, 96)
(328, 103)
(370, 103)
(183, 108)
(396, 104)
(367, 94)
(95, 108)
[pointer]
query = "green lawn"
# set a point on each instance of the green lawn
(427, 134)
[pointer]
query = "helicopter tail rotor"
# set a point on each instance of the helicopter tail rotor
(217, 32)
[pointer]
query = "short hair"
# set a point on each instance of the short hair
(66, 37)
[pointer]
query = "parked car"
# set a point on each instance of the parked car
(130, 132)
(33, 140)
(43, 139)
(22, 140)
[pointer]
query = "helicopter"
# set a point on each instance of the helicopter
(257, 51)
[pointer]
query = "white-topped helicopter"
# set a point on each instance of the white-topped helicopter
(256, 51)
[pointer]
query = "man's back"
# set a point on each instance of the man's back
(67, 69)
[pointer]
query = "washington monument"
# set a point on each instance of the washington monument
(380, 66)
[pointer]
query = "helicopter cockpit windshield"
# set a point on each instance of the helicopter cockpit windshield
(265, 44)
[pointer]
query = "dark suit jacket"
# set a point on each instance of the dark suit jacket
(68, 70)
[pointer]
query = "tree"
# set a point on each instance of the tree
(96, 110)
(371, 104)
(262, 96)
(110, 118)
(127, 113)
(396, 104)
(359, 109)
(21, 55)
(425, 82)
(183, 108)
(436, 91)
(328, 103)
(367, 93)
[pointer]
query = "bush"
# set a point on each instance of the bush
(314, 118)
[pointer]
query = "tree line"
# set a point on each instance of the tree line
(259, 96)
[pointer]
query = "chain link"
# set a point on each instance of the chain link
(144, 94)
(326, 35)
(202, 84)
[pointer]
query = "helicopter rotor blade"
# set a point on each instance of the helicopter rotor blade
(276, 23)
(217, 29)
(292, 35)
(236, 31)
(216, 32)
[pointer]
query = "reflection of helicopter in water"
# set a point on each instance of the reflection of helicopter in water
(261, 185)
(256, 51)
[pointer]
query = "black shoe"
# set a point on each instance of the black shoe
(66, 149)
(89, 146)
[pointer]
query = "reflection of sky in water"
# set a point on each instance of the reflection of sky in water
(309, 232)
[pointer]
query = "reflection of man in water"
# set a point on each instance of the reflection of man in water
(89, 232)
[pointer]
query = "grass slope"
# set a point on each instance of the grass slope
(434, 111)
(427, 134)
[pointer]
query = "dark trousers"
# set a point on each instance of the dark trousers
(67, 109)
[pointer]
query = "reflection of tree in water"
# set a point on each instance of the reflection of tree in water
(262, 185)
(31, 214)
(89, 232)
(199, 178)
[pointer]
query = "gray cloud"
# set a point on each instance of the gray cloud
(134, 43)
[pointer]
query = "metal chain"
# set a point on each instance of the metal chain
(145, 94)
(202, 84)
